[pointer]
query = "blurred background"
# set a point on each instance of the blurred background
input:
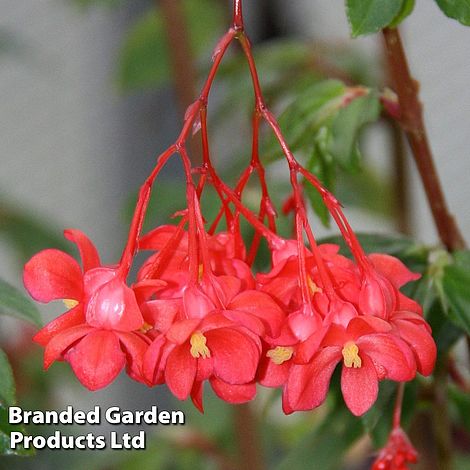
(87, 100)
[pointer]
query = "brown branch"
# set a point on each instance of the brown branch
(412, 123)
(249, 443)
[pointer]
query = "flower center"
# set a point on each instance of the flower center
(351, 355)
(313, 287)
(198, 346)
(280, 354)
(70, 303)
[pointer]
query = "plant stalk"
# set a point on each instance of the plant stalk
(412, 123)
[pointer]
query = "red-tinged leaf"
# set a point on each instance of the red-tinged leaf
(421, 342)
(180, 371)
(393, 269)
(88, 252)
(72, 317)
(97, 359)
(51, 275)
(60, 342)
(392, 357)
(232, 393)
(307, 385)
(360, 386)
(235, 355)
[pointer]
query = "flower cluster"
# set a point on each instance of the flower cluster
(198, 312)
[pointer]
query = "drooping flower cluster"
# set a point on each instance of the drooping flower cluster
(197, 312)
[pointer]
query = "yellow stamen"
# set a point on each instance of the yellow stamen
(351, 355)
(198, 346)
(145, 327)
(70, 303)
(313, 287)
(280, 354)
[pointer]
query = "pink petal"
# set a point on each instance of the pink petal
(235, 355)
(196, 303)
(88, 253)
(60, 342)
(113, 306)
(247, 320)
(391, 356)
(72, 317)
(51, 275)
(307, 385)
(359, 386)
(421, 342)
(303, 325)
(180, 371)
(271, 374)
(232, 393)
(97, 359)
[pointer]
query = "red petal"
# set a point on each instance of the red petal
(161, 313)
(143, 290)
(196, 395)
(153, 362)
(392, 357)
(421, 342)
(307, 385)
(271, 374)
(88, 253)
(60, 342)
(359, 386)
(260, 305)
(235, 355)
(393, 269)
(247, 320)
(157, 239)
(97, 359)
(51, 275)
(180, 371)
(367, 324)
(72, 317)
(181, 330)
(135, 347)
(233, 393)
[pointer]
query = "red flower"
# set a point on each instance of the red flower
(397, 453)
(98, 335)
(369, 353)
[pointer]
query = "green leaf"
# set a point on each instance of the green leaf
(455, 283)
(325, 446)
(144, 58)
(370, 16)
(347, 125)
(16, 304)
(457, 9)
(406, 9)
(7, 382)
(5, 430)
